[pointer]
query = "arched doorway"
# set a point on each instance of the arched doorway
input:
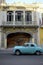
(18, 38)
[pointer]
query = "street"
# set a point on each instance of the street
(10, 59)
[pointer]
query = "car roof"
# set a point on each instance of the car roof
(30, 43)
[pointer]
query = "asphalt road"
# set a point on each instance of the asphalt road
(10, 59)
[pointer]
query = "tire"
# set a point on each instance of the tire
(17, 52)
(38, 53)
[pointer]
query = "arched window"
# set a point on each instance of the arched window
(9, 15)
(19, 16)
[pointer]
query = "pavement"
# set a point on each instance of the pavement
(10, 59)
(8, 50)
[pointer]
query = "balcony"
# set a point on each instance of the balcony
(4, 23)
(20, 23)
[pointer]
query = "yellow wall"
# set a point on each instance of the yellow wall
(41, 35)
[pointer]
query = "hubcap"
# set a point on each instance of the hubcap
(17, 53)
(38, 53)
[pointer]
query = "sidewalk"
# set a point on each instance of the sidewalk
(8, 50)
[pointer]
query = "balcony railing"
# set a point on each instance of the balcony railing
(7, 23)
(19, 23)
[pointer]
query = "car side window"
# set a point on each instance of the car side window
(27, 45)
(32, 45)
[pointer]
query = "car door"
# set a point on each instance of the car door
(25, 48)
(32, 48)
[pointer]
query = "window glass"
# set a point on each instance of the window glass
(10, 16)
(19, 15)
(28, 16)
(32, 45)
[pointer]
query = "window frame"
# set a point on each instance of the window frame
(18, 14)
(10, 16)
(29, 16)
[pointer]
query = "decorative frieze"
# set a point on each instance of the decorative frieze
(19, 29)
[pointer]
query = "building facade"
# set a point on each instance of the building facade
(20, 23)
(2, 1)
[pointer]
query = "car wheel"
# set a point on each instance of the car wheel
(17, 52)
(38, 53)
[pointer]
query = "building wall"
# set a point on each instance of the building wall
(2, 1)
(7, 31)
(41, 36)
(0, 40)
(33, 29)
(1, 17)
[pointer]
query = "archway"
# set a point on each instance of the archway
(18, 38)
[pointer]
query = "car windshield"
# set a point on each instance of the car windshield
(26, 44)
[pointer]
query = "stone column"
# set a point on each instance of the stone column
(24, 17)
(38, 36)
(5, 40)
(0, 38)
(33, 39)
(14, 18)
